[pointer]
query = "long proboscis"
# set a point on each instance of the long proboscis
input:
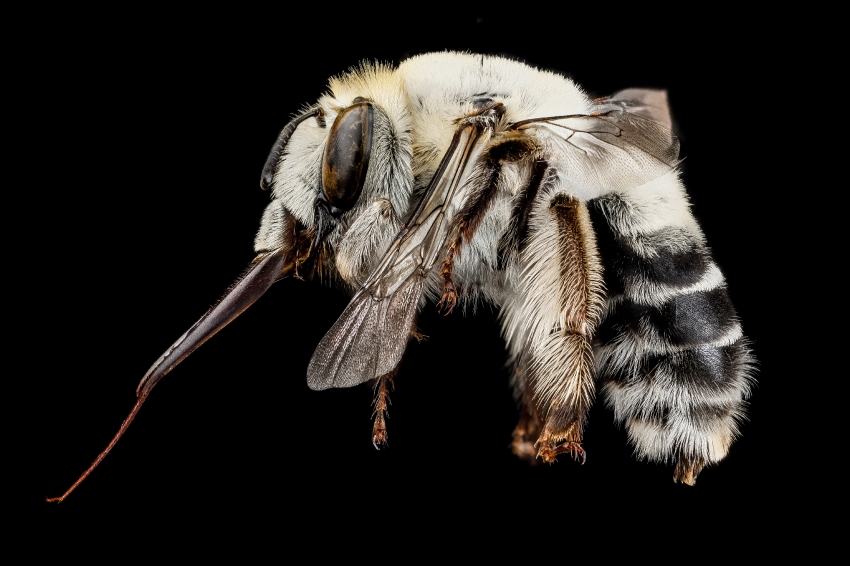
(259, 277)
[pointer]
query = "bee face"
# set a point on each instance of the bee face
(459, 179)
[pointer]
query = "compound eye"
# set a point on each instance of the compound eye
(347, 155)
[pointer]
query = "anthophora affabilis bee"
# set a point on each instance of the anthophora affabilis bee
(456, 179)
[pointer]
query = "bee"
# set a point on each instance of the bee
(457, 179)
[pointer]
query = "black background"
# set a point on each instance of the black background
(150, 135)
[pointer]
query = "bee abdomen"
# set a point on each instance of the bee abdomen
(670, 353)
(690, 319)
(694, 372)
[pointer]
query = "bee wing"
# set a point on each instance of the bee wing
(369, 338)
(625, 140)
(646, 103)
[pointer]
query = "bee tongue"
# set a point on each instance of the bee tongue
(259, 277)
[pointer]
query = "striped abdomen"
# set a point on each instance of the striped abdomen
(670, 354)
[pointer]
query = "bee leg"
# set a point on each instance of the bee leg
(533, 439)
(552, 315)
(381, 403)
(567, 441)
(529, 427)
(514, 237)
(464, 225)
(513, 148)
(365, 241)
(381, 400)
(526, 430)
(416, 335)
(448, 300)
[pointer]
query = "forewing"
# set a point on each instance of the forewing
(369, 338)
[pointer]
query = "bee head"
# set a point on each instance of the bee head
(341, 171)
